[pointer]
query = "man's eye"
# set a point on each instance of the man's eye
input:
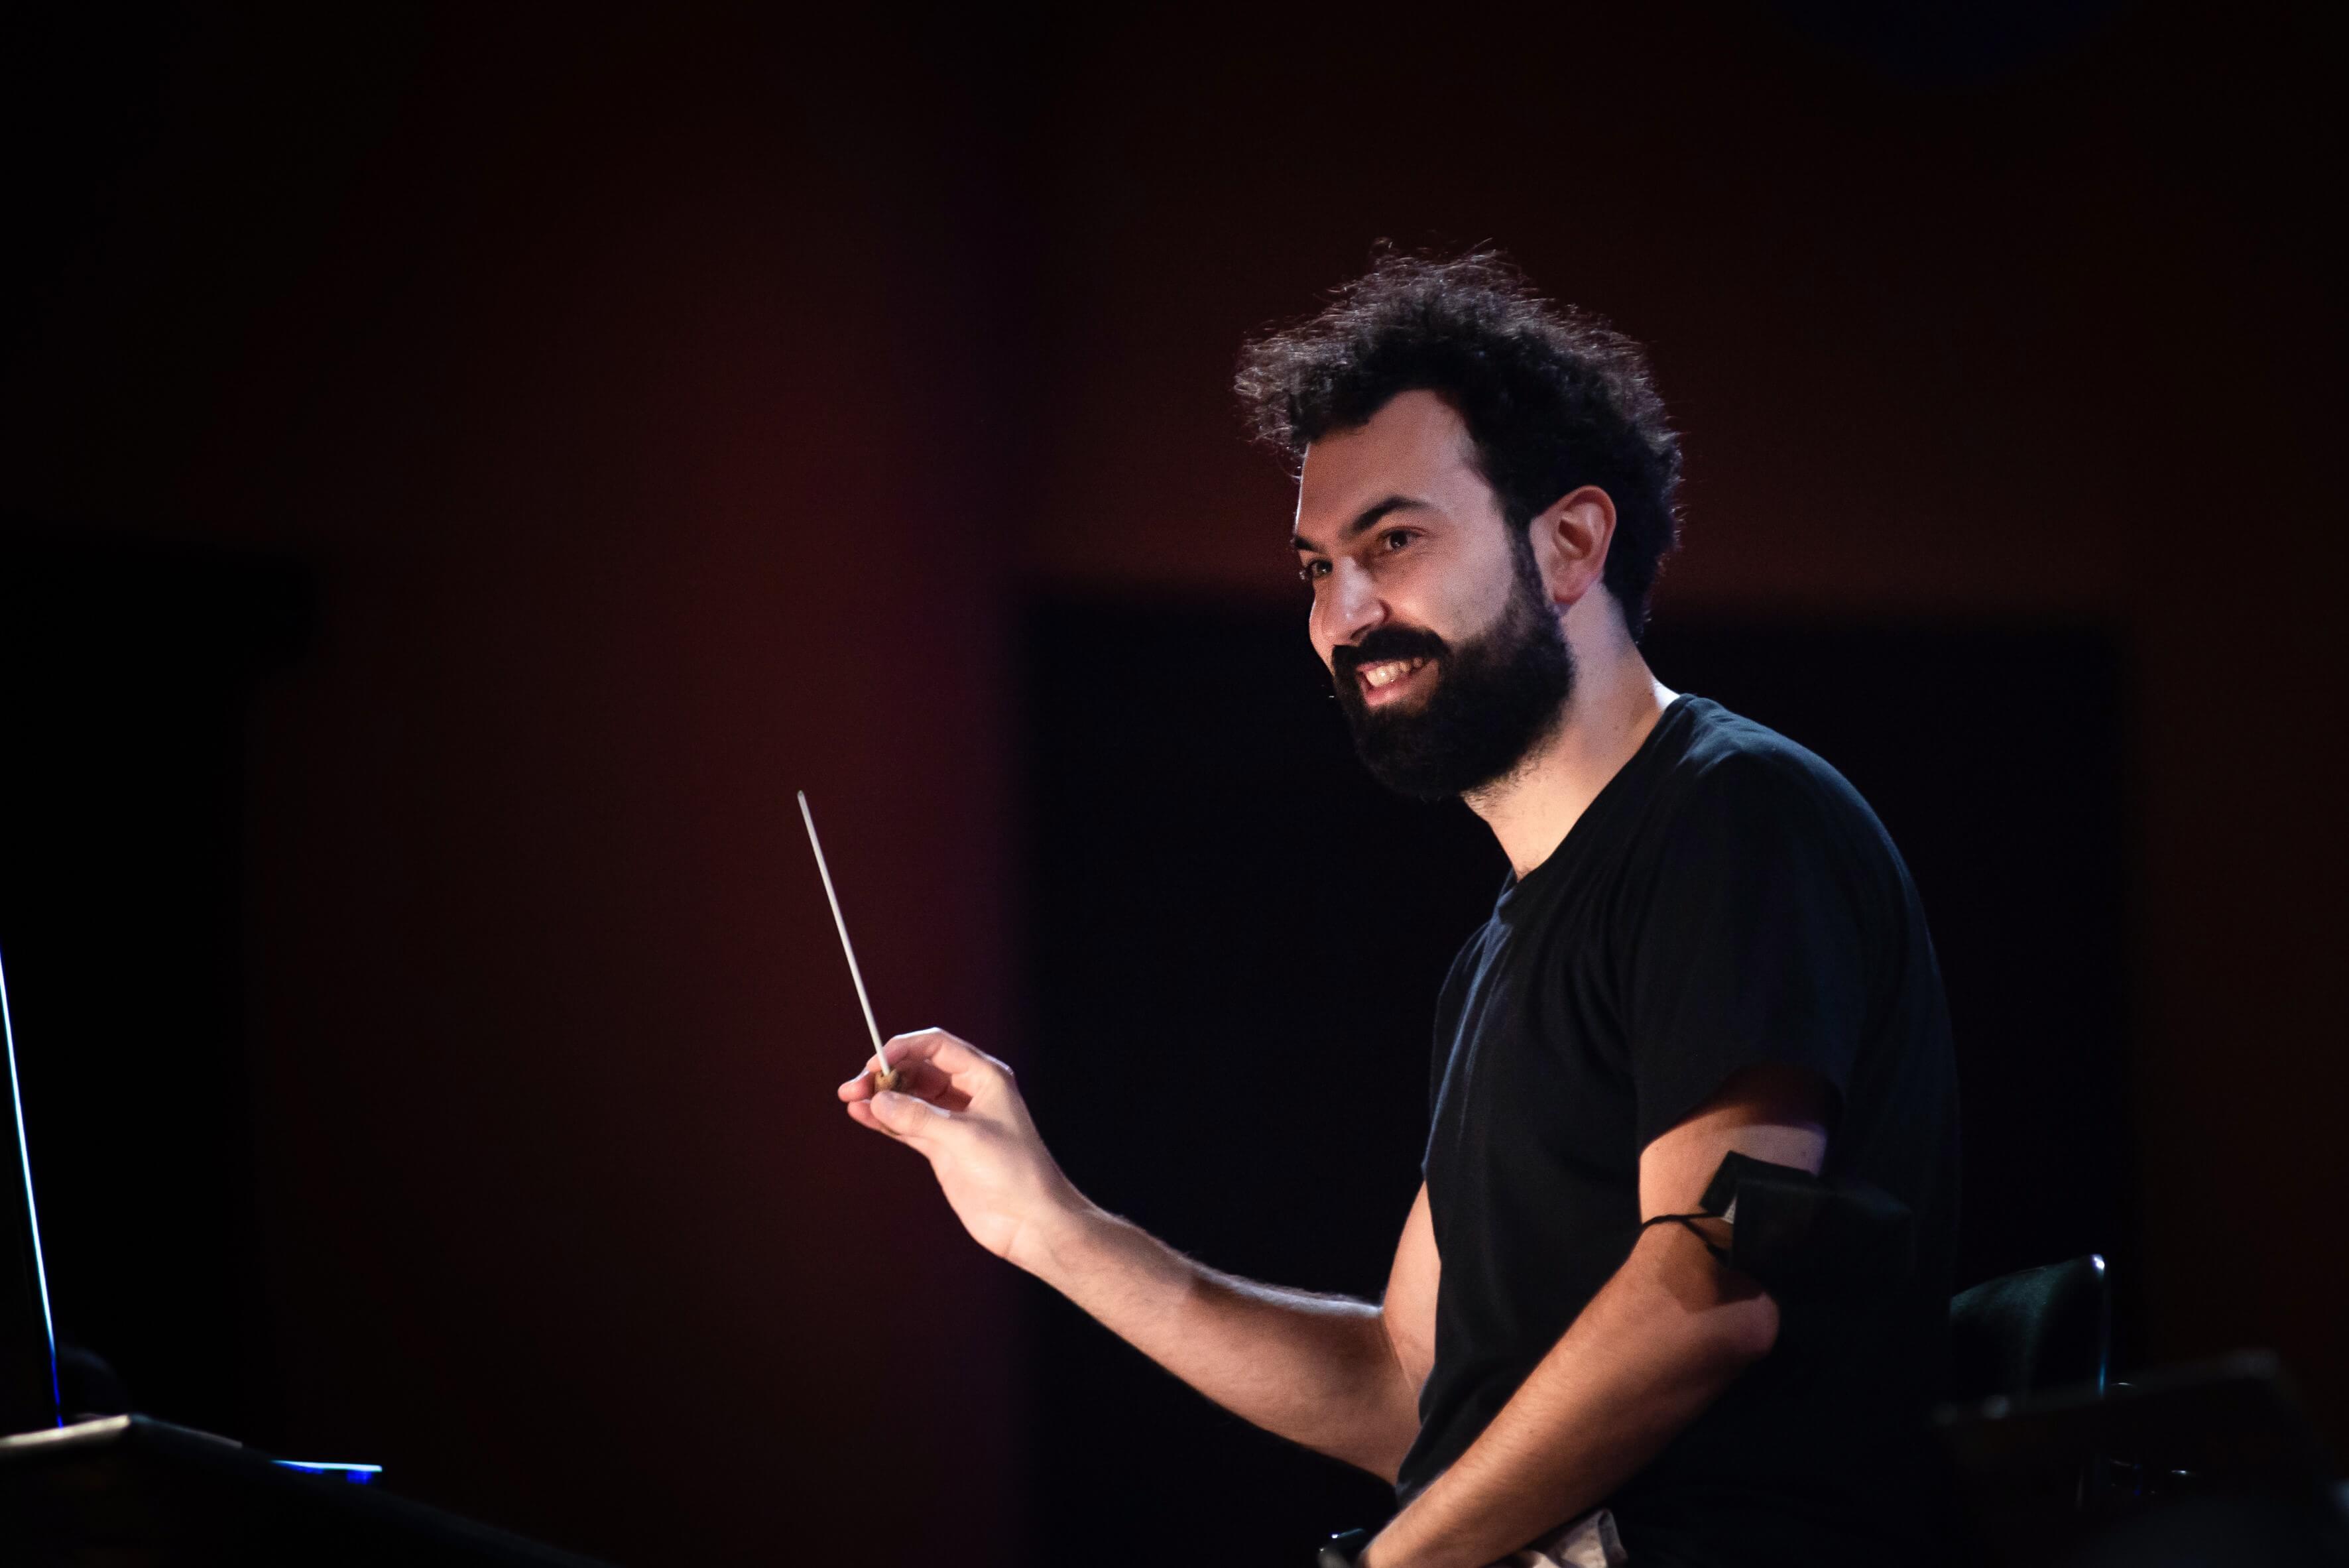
(1313, 571)
(1396, 540)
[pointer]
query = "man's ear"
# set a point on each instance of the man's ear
(1571, 538)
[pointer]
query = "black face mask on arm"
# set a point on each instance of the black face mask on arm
(1816, 1246)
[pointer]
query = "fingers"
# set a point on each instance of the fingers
(921, 1079)
(924, 1080)
(861, 1113)
(936, 1074)
(932, 1065)
(902, 1117)
(953, 1055)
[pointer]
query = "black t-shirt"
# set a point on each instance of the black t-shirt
(1727, 900)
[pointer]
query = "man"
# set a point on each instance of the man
(1707, 946)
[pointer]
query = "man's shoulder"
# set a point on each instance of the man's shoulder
(1735, 775)
(1726, 749)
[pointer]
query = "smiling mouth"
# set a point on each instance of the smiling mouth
(1387, 675)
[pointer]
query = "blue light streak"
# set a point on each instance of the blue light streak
(32, 1215)
(357, 1475)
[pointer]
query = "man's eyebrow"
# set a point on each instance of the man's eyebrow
(1369, 518)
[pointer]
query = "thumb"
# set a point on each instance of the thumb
(908, 1117)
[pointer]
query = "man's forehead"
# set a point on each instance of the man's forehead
(1416, 447)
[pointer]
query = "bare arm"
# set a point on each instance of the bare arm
(1658, 1344)
(1339, 1376)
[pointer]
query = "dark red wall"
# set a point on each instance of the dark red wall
(638, 493)
(672, 410)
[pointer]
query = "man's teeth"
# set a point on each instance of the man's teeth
(1389, 671)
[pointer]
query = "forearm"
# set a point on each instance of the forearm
(1658, 1344)
(1317, 1369)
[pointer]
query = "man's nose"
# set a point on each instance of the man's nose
(1349, 605)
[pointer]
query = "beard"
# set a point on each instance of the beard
(1494, 700)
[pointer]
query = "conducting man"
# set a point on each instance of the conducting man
(1708, 945)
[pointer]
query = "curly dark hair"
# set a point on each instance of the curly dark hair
(1554, 398)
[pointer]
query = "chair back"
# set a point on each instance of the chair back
(2048, 1327)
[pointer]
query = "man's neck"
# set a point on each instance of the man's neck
(1616, 703)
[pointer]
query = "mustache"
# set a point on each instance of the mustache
(1386, 642)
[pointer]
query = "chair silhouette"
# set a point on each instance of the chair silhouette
(2048, 1327)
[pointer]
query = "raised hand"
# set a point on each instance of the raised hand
(960, 1109)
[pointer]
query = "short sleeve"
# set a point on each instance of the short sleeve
(1747, 943)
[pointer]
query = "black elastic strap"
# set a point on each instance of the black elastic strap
(1688, 1224)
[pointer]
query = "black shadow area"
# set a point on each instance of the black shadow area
(126, 668)
(1236, 939)
(1996, 755)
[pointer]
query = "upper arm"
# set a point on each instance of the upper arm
(1771, 1110)
(1407, 1310)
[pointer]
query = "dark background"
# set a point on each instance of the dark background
(1202, 816)
(462, 467)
